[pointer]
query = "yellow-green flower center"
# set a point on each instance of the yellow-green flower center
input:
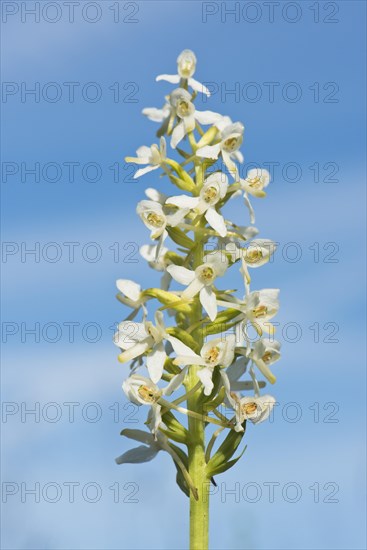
(183, 108)
(253, 255)
(231, 144)
(147, 394)
(267, 357)
(186, 68)
(249, 408)
(255, 183)
(210, 194)
(207, 274)
(155, 219)
(212, 355)
(260, 311)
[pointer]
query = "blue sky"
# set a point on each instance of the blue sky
(315, 200)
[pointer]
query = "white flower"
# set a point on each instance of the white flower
(254, 183)
(186, 65)
(265, 353)
(135, 339)
(142, 391)
(218, 351)
(258, 252)
(184, 109)
(155, 219)
(131, 294)
(181, 106)
(154, 156)
(214, 189)
(257, 409)
(231, 139)
(231, 244)
(260, 307)
(201, 280)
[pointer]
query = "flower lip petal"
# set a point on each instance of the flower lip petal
(216, 221)
(209, 302)
(155, 362)
(205, 375)
(181, 274)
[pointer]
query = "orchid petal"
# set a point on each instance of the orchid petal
(209, 302)
(198, 87)
(183, 201)
(205, 376)
(209, 151)
(155, 362)
(145, 170)
(181, 274)
(138, 455)
(216, 221)
(129, 288)
(171, 78)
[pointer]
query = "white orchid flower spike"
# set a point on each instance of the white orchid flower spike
(186, 65)
(136, 339)
(154, 156)
(214, 189)
(201, 280)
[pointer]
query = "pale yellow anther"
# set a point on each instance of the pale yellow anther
(155, 219)
(252, 256)
(260, 311)
(147, 394)
(231, 144)
(207, 274)
(267, 357)
(249, 408)
(212, 355)
(210, 194)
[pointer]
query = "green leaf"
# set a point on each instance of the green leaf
(226, 466)
(180, 480)
(225, 452)
(174, 258)
(180, 238)
(212, 404)
(175, 430)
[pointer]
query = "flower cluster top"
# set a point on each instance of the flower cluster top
(197, 323)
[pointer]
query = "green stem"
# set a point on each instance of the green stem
(199, 509)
